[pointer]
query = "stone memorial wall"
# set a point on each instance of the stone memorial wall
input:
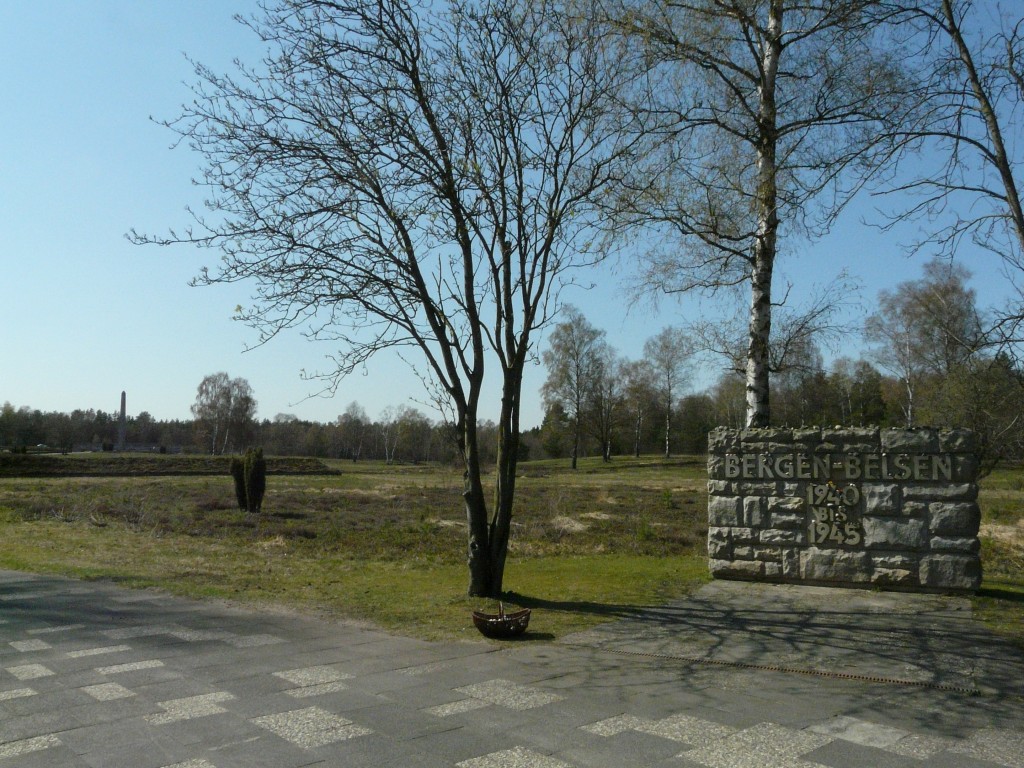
(865, 507)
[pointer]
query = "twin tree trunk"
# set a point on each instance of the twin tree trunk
(488, 539)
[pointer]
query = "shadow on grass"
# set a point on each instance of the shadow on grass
(1010, 592)
(586, 607)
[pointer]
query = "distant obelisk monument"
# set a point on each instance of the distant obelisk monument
(122, 424)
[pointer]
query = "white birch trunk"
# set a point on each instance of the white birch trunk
(758, 406)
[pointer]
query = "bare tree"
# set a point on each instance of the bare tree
(728, 394)
(606, 398)
(775, 110)
(963, 175)
(573, 361)
(414, 174)
(225, 406)
(801, 391)
(816, 322)
(669, 355)
(639, 393)
(354, 424)
(390, 425)
(927, 328)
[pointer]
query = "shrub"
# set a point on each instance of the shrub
(255, 479)
(250, 476)
(238, 473)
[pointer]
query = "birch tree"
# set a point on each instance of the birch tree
(225, 407)
(669, 355)
(773, 112)
(639, 393)
(573, 361)
(926, 329)
(607, 398)
(412, 174)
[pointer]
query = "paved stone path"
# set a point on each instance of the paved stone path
(738, 676)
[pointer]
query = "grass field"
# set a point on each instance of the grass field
(386, 544)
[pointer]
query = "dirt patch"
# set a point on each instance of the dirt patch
(1008, 534)
(447, 523)
(388, 494)
(568, 525)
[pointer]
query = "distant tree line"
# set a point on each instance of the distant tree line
(929, 359)
(398, 435)
(439, 197)
(24, 427)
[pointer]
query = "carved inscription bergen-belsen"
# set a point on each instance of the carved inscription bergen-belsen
(848, 507)
(833, 503)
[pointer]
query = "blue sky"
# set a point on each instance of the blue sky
(84, 314)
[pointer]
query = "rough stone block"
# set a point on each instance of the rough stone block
(966, 545)
(955, 572)
(835, 565)
(724, 511)
(768, 554)
(716, 467)
(743, 553)
(719, 534)
(720, 550)
(894, 561)
(791, 563)
(736, 569)
(743, 535)
(753, 511)
(850, 440)
(921, 440)
(959, 441)
(940, 492)
(788, 504)
(772, 570)
(851, 435)
(776, 536)
(954, 519)
(807, 436)
(914, 508)
(855, 448)
(721, 488)
(880, 499)
(894, 577)
(894, 570)
(787, 520)
(887, 533)
(965, 468)
(757, 489)
(758, 439)
(723, 440)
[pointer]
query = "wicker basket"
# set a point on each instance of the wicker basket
(502, 625)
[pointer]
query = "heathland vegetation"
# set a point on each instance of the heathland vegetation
(439, 198)
(371, 541)
(386, 543)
